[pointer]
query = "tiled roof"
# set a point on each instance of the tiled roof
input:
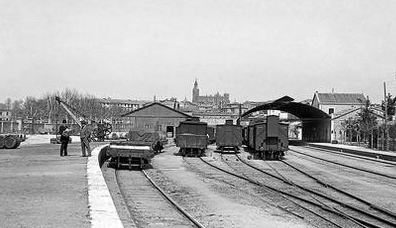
(341, 98)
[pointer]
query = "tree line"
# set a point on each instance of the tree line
(365, 128)
(46, 108)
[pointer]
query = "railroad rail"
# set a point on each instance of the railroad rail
(380, 217)
(329, 151)
(151, 195)
(357, 151)
(321, 195)
(265, 200)
(361, 222)
(344, 165)
(339, 190)
(291, 195)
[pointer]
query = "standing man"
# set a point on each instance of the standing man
(85, 136)
(64, 138)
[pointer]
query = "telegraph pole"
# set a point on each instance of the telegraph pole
(386, 118)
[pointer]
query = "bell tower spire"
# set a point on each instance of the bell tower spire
(195, 92)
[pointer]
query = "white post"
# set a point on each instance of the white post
(333, 137)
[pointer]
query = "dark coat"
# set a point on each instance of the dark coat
(63, 137)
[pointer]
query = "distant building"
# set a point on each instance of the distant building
(340, 106)
(215, 100)
(214, 118)
(5, 114)
(154, 117)
(335, 102)
(7, 124)
(124, 103)
(234, 108)
(171, 103)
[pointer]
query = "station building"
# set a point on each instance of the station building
(154, 117)
(338, 102)
(340, 106)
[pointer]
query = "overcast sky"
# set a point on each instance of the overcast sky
(253, 49)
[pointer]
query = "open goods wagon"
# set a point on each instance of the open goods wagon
(192, 137)
(228, 137)
(10, 141)
(137, 151)
(267, 139)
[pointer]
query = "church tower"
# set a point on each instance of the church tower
(195, 92)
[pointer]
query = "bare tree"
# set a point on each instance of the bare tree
(8, 104)
(16, 109)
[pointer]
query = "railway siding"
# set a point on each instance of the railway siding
(370, 187)
(215, 203)
(383, 155)
(370, 215)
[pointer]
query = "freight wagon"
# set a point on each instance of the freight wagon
(191, 137)
(137, 151)
(228, 137)
(267, 139)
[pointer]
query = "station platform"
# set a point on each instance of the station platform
(361, 151)
(38, 188)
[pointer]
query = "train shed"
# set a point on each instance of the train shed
(316, 124)
(155, 117)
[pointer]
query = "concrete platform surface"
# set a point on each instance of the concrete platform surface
(38, 188)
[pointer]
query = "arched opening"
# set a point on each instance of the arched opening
(316, 124)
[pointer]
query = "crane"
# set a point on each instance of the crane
(99, 130)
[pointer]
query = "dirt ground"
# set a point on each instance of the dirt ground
(38, 188)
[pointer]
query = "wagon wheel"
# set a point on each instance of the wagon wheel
(2, 141)
(107, 128)
(11, 142)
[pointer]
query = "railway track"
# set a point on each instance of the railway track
(381, 214)
(269, 199)
(300, 202)
(331, 205)
(357, 157)
(344, 165)
(339, 190)
(149, 205)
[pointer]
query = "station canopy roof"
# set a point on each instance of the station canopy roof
(286, 104)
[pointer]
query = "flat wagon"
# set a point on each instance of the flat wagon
(137, 151)
(124, 155)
